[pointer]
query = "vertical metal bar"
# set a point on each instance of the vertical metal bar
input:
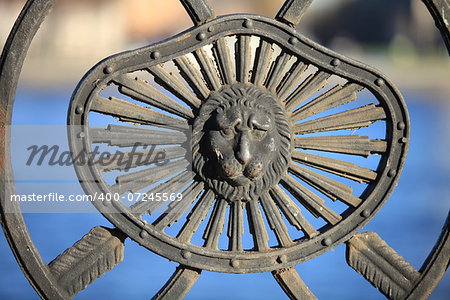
(292, 11)
(199, 10)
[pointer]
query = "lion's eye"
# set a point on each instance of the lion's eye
(258, 134)
(227, 133)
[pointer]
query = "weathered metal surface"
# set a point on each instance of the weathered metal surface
(370, 256)
(434, 267)
(88, 259)
(390, 273)
(13, 224)
(292, 11)
(248, 113)
(292, 284)
(199, 10)
(440, 11)
(179, 284)
(244, 141)
(303, 97)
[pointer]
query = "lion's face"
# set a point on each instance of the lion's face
(241, 142)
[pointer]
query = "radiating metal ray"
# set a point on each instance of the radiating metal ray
(355, 118)
(339, 167)
(173, 185)
(331, 188)
(133, 113)
(337, 96)
(292, 212)
(257, 226)
(215, 225)
(312, 84)
(134, 182)
(127, 136)
(243, 58)
(278, 71)
(130, 160)
(177, 208)
(291, 79)
(196, 216)
(311, 201)
(236, 226)
(208, 69)
(275, 220)
(262, 62)
(345, 144)
(192, 76)
(224, 62)
(144, 92)
(174, 85)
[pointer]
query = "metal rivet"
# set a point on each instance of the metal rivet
(210, 29)
(326, 242)
(81, 135)
(293, 41)
(392, 173)
(79, 109)
(108, 70)
(365, 213)
(201, 36)
(379, 82)
(143, 234)
(248, 23)
(282, 259)
(155, 55)
(186, 254)
(401, 125)
(335, 62)
(403, 140)
(235, 263)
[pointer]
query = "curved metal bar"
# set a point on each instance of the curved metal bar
(440, 11)
(11, 62)
(434, 266)
(179, 284)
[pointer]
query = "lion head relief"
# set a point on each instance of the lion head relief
(241, 142)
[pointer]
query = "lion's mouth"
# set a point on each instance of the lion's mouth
(243, 177)
(239, 175)
(240, 180)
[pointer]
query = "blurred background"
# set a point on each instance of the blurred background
(396, 37)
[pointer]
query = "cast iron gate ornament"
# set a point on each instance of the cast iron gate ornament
(258, 97)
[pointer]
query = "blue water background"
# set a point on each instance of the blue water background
(409, 222)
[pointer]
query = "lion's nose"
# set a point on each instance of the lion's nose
(243, 154)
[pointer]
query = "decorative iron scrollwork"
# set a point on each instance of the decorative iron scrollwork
(255, 92)
(273, 117)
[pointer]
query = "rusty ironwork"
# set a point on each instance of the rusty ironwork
(251, 135)
(266, 106)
